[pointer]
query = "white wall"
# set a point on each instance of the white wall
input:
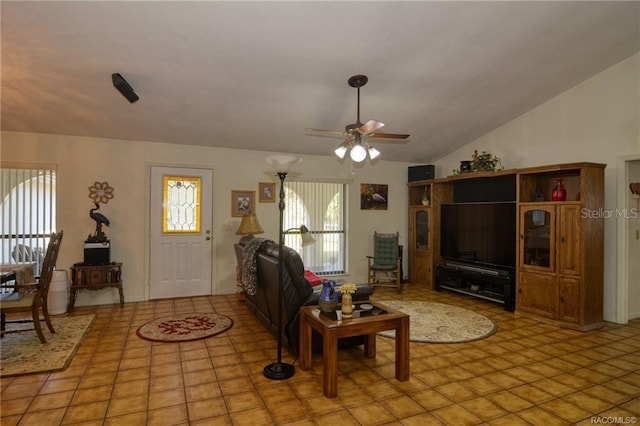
(596, 121)
(125, 165)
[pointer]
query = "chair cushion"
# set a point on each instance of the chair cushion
(385, 251)
(386, 267)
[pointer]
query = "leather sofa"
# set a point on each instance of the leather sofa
(296, 291)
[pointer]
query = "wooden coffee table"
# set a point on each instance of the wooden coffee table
(381, 318)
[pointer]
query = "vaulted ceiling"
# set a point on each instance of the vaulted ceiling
(254, 75)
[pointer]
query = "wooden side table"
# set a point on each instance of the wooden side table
(95, 277)
(332, 330)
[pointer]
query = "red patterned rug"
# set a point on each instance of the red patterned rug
(184, 327)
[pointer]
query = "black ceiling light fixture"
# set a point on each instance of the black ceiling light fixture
(123, 87)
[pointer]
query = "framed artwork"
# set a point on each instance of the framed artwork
(267, 192)
(374, 196)
(242, 202)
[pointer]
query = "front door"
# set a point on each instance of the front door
(180, 254)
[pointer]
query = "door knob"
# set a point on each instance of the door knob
(207, 238)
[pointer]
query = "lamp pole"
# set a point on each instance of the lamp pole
(280, 370)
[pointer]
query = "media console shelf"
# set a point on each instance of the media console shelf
(489, 284)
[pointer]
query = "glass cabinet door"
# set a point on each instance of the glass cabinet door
(537, 244)
(421, 236)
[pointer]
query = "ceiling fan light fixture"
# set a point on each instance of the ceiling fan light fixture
(373, 152)
(341, 151)
(359, 149)
(358, 153)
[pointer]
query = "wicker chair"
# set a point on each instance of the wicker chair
(31, 298)
(385, 260)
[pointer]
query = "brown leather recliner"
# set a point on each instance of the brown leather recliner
(296, 292)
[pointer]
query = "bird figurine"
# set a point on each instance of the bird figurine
(100, 219)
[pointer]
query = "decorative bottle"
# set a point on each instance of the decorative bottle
(559, 193)
(425, 197)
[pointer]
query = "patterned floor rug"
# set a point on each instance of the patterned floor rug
(22, 353)
(185, 327)
(440, 323)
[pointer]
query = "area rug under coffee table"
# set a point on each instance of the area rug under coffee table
(440, 323)
(184, 327)
(22, 353)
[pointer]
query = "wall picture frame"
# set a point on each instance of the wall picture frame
(266, 192)
(374, 196)
(242, 202)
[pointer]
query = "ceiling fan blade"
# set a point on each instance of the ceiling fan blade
(332, 132)
(389, 136)
(370, 126)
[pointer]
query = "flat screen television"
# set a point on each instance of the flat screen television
(482, 234)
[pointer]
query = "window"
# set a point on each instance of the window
(320, 206)
(28, 205)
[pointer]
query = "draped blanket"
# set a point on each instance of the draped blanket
(248, 269)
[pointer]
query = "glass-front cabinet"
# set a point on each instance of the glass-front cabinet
(550, 237)
(537, 237)
(420, 244)
(421, 234)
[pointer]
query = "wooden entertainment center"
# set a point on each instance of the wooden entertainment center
(557, 275)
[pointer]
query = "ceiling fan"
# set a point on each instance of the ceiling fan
(354, 132)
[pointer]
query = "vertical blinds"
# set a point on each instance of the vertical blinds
(28, 205)
(320, 207)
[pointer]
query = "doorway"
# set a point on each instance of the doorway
(628, 305)
(180, 238)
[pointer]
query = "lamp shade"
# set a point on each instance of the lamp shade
(305, 235)
(249, 225)
(307, 239)
(341, 151)
(373, 152)
(282, 163)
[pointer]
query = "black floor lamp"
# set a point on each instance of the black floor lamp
(280, 370)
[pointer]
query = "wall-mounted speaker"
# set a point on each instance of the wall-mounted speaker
(123, 87)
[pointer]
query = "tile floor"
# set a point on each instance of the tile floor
(526, 373)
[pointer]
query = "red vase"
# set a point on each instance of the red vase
(559, 193)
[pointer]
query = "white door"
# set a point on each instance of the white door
(180, 254)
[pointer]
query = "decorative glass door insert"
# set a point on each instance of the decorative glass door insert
(181, 204)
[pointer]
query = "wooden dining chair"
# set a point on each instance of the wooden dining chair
(31, 298)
